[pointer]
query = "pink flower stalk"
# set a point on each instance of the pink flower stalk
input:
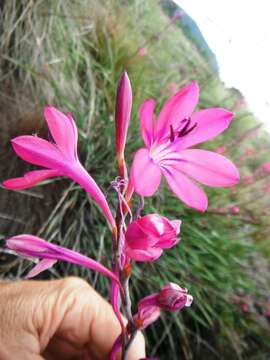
(59, 158)
(30, 246)
(173, 298)
(234, 210)
(148, 312)
(166, 151)
(122, 118)
(147, 237)
(142, 51)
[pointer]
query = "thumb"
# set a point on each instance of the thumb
(60, 319)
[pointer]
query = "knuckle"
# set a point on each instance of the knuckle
(73, 283)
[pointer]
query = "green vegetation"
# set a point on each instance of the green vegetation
(70, 54)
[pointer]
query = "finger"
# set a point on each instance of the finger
(67, 312)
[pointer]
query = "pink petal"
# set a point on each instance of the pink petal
(78, 173)
(146, 114)
(179, 106)
(30, 179)
(63, 130)
(208, 167)
(145, 174)
(38, 151)
(176, 224)
(41, 266)
(210, 123)
(185, 189)
(150, 254)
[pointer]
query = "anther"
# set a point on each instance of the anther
(171, 133)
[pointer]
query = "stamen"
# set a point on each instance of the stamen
(171, 133)
(192, 128)
(184, 129)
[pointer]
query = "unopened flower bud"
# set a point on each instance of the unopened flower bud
(148, 312)
(172, 298)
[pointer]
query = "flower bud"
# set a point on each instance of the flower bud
(172, 297)
(122, 117)
(234, 210)
(148, 312)
(149, 235)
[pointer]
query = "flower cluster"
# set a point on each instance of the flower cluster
(136, 238)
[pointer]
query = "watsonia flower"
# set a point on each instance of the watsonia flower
(147, 237)
(171, 298)
(122, 117)
(30, 246)
(59, 158)
(166, 151)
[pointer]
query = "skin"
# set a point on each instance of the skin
(61, 319)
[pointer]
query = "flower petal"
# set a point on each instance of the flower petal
(150, 254)
(208, 167)
(30, 179)
(185, 189)
(41, 266)
(176, 224)
(38, 151)
(63, 130)
(79, 174)
(178, 107)
(146, 114)
(210, 123)
(145, 174)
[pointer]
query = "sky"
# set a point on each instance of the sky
(238, 32)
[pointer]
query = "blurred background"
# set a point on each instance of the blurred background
(70, 54)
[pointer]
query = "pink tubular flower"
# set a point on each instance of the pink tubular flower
(166, 149)
(30, 246)
(148, 312)
(142, 51)
(234, 210)
(265, 167)
(147, 237)
(122, 118)
(59, 158)
(172, 297)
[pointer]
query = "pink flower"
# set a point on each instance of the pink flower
(220, 150)
(142, 51)
(248, 179)
(165, 153)
(172, 297)
(234, 210)
(147, 237)
(265, 167)
(122, 117)
(59, 158)
(148, 312)
(30, 246)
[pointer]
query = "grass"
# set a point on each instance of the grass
(71, 54)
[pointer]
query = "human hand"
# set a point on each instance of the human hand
(61, 319)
